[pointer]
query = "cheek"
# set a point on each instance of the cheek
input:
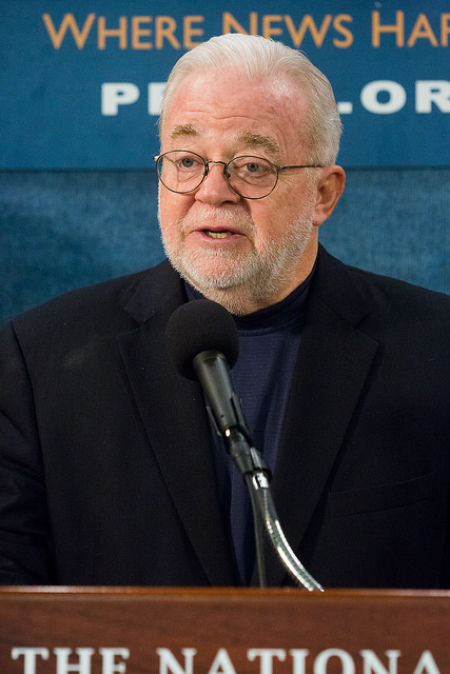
(171, 209)
(296, 204)
(269, 218)
(167, 219)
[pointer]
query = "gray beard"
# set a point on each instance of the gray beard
(254, 279)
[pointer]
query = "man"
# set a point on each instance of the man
(110, 472)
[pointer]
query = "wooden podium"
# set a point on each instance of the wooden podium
(223, 631)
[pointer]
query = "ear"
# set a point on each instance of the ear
(329, 189)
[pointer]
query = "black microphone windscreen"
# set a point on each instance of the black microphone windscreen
(201, 325)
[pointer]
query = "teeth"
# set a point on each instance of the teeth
(217, 235)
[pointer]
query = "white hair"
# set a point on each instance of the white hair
(258, 57)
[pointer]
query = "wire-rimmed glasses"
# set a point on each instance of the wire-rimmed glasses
(250, 177)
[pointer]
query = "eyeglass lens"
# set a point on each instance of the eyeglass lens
(250, 177)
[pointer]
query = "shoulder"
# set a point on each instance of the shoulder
(404, 307)
(406, 326)
(382, 296)
(97, 309)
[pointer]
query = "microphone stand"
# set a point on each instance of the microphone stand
(257, 478)
(248, 460)
(258, 526)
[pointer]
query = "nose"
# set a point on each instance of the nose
(215, 189)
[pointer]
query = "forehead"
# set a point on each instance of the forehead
(267, 112)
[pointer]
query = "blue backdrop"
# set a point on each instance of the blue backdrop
(80, 94)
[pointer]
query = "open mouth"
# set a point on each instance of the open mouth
(217, 235)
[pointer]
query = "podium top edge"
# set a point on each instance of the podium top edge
(219, 592)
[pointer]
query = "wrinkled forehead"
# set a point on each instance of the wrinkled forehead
(204, 99)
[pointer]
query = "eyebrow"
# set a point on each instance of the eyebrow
(258, 140)
(183, 130)
(246, 138)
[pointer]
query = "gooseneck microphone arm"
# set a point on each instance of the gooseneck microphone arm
(202, 337)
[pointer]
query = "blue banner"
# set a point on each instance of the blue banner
(82, 82)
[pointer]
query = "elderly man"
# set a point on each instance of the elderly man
(110, 472)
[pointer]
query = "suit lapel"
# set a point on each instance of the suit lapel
(334, 361)
(173, 414)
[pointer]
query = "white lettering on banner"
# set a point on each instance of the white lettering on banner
(84, 660)
(168, 664)
(223, 661)
(426, 664)
(117, 93)
(109, 665)
(29, 657)
(267, 655)
(80, 660)
(345, 107)
(155, 95)
(372, 664)
(428, 94)
(298, 660)
(109, 655)
(395, 102)
(432, 91)
(321, 662)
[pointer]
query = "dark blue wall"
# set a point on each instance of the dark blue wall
(61, 230)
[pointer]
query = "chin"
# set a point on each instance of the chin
(214, 273)
(205, 281)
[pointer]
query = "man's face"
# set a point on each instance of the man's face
(246, 254)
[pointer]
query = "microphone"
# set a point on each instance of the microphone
(203, 341)
(201, 325)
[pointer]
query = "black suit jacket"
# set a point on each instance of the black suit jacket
(106, 469)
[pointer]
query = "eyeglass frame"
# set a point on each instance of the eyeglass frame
(206, 163)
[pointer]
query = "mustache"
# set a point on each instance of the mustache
(239, 222)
